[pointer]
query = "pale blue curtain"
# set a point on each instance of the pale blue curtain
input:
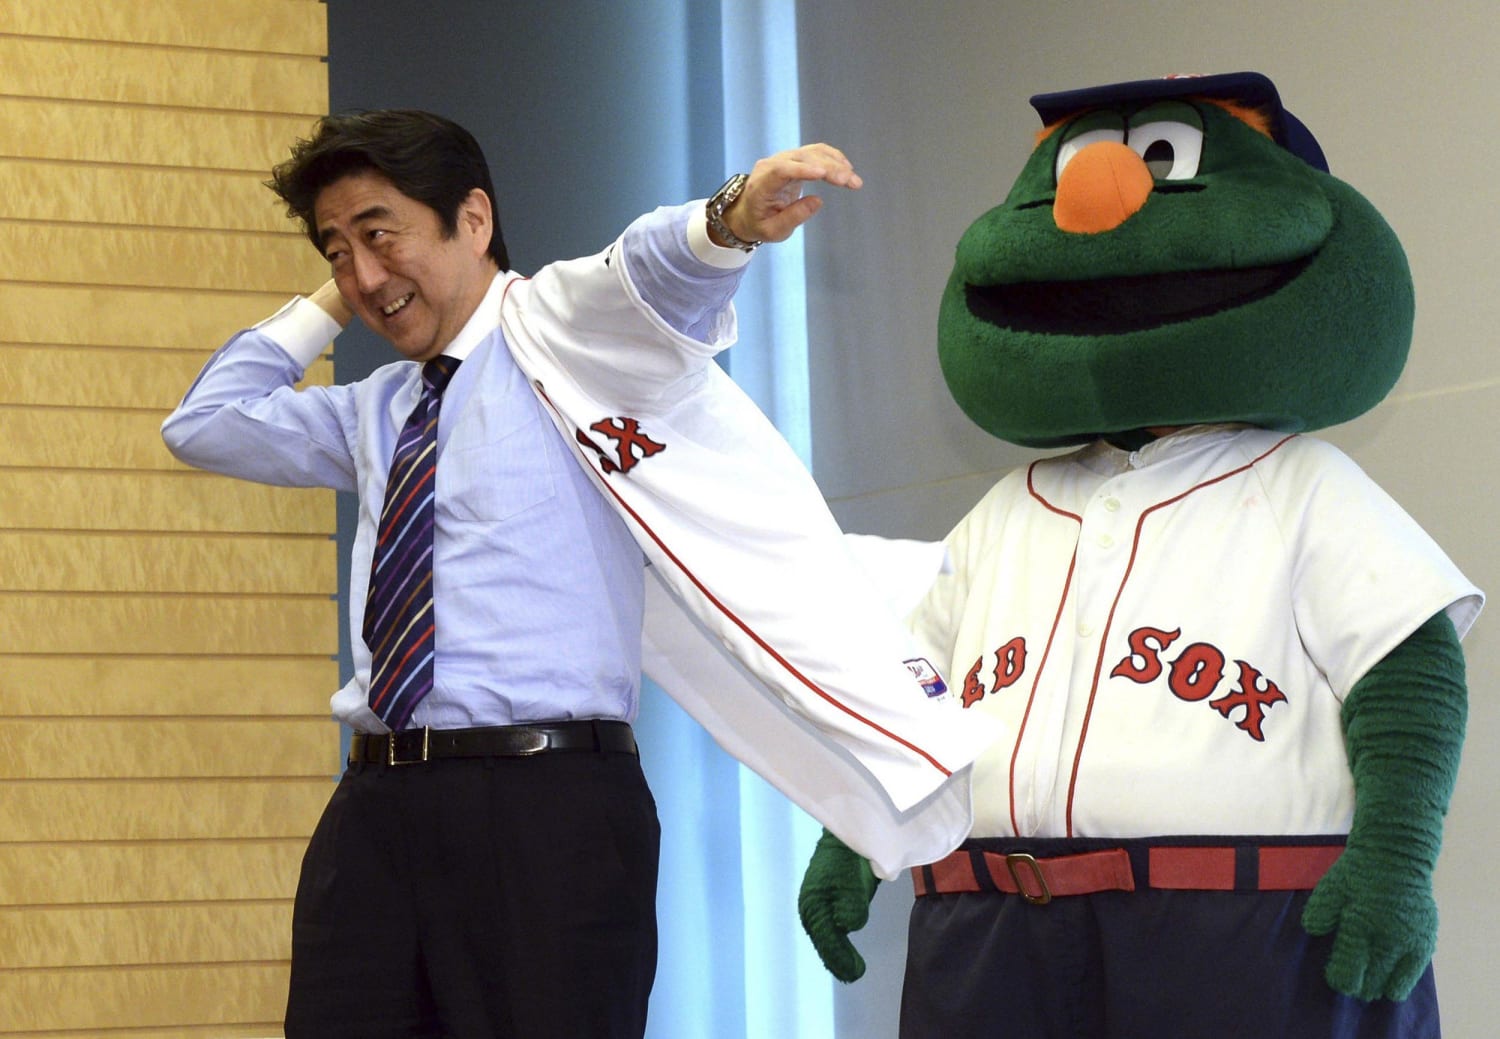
(734, 961)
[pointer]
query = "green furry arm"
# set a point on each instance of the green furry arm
(835, 901)
(1403, 727)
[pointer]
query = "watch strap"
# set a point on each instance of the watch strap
(721, 201)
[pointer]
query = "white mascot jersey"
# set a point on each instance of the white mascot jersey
(1168, 634)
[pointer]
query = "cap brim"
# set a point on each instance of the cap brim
(1248, 88)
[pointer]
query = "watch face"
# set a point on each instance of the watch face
(722, 200)
(729, 192)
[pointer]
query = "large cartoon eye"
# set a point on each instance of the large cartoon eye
(1091, 129)
(1169, 137)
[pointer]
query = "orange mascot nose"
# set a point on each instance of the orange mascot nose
(1104, 185)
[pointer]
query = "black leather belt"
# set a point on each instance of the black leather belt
(413, 746)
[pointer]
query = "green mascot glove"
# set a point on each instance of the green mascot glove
(1403, 726)
(834, 902)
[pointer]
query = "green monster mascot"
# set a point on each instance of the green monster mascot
(1229, 664)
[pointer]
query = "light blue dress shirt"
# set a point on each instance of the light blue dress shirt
(538, 585)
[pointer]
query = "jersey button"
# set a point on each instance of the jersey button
(1112, 504)
(1105, 541)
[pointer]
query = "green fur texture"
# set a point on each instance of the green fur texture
(1261, 291)
(834, 901)
(1404, 726)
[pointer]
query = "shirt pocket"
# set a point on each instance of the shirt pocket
(493, 470)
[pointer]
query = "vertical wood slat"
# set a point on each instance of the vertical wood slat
(144, 686)
(93, 70)
(94, 1002)
(275, 26)
(61, 874)
(46, 376)
(167, 638)
(69, 192)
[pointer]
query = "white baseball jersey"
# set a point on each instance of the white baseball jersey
(1169, 634)
(762, 621)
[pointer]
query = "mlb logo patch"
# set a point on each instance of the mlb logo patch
(927, 676)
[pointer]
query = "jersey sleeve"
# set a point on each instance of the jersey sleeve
(934, 620)
(681, 275)
(1365, 575)
(938, 617)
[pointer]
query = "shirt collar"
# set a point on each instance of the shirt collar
(482, 322)
(1106, 459)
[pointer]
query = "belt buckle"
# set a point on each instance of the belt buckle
(393, 759)
(527, 741)
(1020, 858)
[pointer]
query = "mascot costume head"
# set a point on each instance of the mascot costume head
(1174, 252)
(1176, 275)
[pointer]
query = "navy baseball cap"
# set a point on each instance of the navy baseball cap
(1248, 88)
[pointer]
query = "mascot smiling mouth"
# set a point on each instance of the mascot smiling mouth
(1104, 306)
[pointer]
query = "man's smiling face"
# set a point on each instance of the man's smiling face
(397, 268)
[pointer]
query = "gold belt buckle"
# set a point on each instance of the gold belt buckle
(393, 759)
(1020, 858)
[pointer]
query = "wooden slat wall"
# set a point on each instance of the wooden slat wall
(168, 639)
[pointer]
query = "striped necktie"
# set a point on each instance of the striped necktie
(398, 624)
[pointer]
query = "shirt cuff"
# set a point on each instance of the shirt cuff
(301, 328)
(706, 249)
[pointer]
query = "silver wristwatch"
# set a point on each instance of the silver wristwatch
(722, 200)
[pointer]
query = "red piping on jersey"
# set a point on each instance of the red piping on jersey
(1109, 622)
(1043, 502)
(731, 616)
(1015, 753)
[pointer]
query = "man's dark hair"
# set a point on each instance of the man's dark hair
(428, 158)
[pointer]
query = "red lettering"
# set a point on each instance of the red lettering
(1252, 698)
(1195, 675)
(1010, 661)
(631, 445)
(1196, 672)
(1149, 668)
(973, 688)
